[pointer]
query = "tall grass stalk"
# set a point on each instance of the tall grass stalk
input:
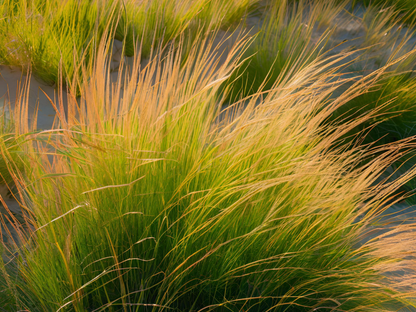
(151, 203)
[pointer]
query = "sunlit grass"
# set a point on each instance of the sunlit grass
(151, 202)
(284, 44)
(155, 22)
(53, 34)
(10, 141)
(394, 99)
(405, 8)
(148, 196)
(59, 35)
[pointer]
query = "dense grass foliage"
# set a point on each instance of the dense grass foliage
(283, 45)
(182, 185)
(49, 35)
(53, 34)
(406, 8)
(152, 22)
(394, 97)
(150, 203)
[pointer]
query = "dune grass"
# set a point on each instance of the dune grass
(10, 141)
(393, 95)
(143, 199)
(395, 120)
(148, 196)
(156, 22)
(48, 35)
(284, 44)
(406, 8)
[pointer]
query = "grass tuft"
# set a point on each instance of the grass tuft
(143, 198)
(283, 46)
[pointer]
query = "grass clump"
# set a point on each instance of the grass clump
(53, 34)
(58, 35)
(157, 22)
(151, 203)
(283, 46)
(405, 8)
(394, 99)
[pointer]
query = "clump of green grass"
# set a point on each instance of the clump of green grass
(151, 204)
(56, 35)
(395, 100)
(405, 8)
(393, 96)
(51, 35)
(283, 46)
(402, 165)
(385, 34)
(171, 18)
